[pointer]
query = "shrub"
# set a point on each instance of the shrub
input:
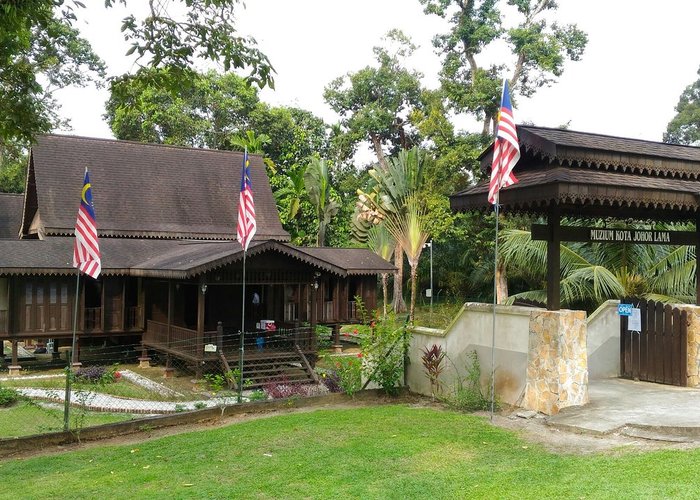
(433, 361)
(331, 380)
(385, 348)
(97, 375)
(8, 396)
(348, 373)
(466, 394)
(324, 335)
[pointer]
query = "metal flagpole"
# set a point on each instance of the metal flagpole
(69, 373)
(493, 323)
(242, 348)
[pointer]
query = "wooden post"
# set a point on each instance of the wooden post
(553, 260)
(141, 303)
(171, 301)
(199, 342)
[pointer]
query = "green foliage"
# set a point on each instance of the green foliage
(257, 395)
(684, 128)
(324, 336)
(8, 396)
(97, 375)
(374, 101)
(539, 51)
(384, 353)
(348, 369)
(318, 187)
(466, 394)
(433, 358)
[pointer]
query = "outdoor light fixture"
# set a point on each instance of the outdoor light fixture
(204, 288)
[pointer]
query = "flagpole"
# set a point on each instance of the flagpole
(493, 323)
(69, 374)
(242, 347)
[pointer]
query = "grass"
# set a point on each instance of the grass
(25, 419)
(378, 452)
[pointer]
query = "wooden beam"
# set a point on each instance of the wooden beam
(553, 260)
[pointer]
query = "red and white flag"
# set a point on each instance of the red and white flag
(506, 149)
(86, 250)
(246, 208)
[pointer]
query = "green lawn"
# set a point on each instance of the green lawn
(24, 419)
(378, 452)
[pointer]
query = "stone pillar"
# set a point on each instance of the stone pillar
(693, 361)
(557, 361)
(169, 371)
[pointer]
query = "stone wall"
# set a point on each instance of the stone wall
(557, 371)
(693, 361)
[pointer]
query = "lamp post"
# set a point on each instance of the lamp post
(430, 245)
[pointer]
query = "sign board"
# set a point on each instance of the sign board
(615, 235)
(428, 292)
(634, 322)
(624, 309)
(210, 348)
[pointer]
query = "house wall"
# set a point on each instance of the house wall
(603, 342)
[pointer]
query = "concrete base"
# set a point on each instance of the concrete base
(337, 348)
(76, 366)
(144, 362)
(14, 370)
(168, 372)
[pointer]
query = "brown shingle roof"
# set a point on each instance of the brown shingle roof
(10, 215)
(174, 258)
(573, 189)
(147, 190)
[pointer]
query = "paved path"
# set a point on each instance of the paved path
(640, 409)
(105, 402)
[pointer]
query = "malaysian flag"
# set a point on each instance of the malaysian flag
(506, 149)
(246, 208)
(86, 250)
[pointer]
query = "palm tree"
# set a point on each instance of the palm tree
(388, 194)
(408, 228)
(318, 187)
(593, 272)
(381, 242)
(290, 194)
(254, 144)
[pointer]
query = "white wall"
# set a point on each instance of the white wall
(603, 343)
(470, 331)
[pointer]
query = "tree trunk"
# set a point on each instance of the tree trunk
(398, 304)
(385, 290)
(501, 283)
(414, 285)
(376, 143)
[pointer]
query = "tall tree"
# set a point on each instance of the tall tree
(684, 128)
(380, 241)
(374, 103)
(539, 50)
(318, 187)
(42, 51)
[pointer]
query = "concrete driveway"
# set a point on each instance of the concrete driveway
(636, 409)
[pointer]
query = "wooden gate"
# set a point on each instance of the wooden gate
(658, 353)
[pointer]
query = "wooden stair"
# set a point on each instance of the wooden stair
(290, 367)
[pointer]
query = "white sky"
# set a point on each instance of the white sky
(641, 55)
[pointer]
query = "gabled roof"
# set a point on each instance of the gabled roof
(583, 149)
(145, 190)
(595, 175)
(10, 215)
(175, 258)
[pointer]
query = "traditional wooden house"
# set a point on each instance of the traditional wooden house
(171, 268)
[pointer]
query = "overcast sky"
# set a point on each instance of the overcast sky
(641, 55)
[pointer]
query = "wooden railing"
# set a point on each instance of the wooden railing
(228, 340)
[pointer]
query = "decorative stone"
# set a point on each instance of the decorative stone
(14, 370)
(337, 348)
(168, 372)
(144, 362)
(557, 373)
